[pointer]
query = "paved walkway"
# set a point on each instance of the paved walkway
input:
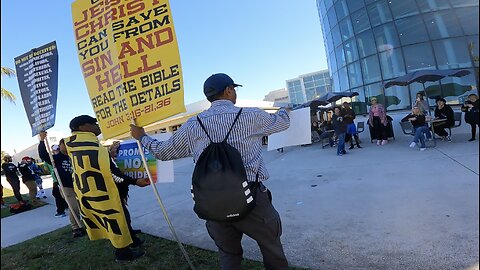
(380, 207)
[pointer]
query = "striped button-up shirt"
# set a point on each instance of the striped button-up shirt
(246, 135)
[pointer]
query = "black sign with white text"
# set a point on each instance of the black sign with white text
(37, 74)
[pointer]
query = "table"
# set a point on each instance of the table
(432, 122)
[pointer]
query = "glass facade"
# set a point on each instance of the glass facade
(308, 86)
(369, 42)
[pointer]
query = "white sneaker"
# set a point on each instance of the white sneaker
(413, 144)
(423, 149)
(42, 192)
(379, 142)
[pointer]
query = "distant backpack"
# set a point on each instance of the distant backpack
(220, 188)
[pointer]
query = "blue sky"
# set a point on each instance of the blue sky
(260, 44)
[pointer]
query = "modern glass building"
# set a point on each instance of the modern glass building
(369, 42)
(308, 86)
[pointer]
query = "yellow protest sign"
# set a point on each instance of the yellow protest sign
(129, 58)
(97, 194)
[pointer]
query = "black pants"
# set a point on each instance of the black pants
(474, 129)
(59, 200)
(439, 129)
(15, 184)
(379, 130)
(263, 225)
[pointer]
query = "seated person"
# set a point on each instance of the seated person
(326, 131)
(443, 111)
(420, 128)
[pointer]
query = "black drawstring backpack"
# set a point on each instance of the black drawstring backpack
(220, 188)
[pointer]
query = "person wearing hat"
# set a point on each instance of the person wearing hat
(28, 178)
(11, 173)
(99, 199)
(443, 111)
(263, 222)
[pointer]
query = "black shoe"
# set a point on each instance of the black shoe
(471, 140)
(351, 147)
(136, 231)
(358, 146)
(136, 242)
(78, 233)
(128, 255)
(344, 152)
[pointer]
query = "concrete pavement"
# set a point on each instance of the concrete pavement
(380, 207)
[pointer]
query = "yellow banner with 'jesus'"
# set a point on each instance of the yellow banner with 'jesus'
(100, 205)
(129, 58)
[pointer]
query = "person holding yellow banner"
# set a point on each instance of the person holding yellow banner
(102, 211)
(262, 223)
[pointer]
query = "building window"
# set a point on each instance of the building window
(360, 21)
(332, 17)
(370, 69)
(337, 39)
(455, 90)
(403, 8)
(465, 3)
(341, 9)
(411, 30)
(374, 90)
(442, 24)
(321, 8)
(418, 57)
(343, 78)
(432, 5)
(379, 13)
(354, 5)
(336, 82)
(366, 44)
(295, 92)
(452, 53)
(386, 37)
(328, 3)
(340, 57)
(468, 18)
(346, 29)
(397, 98)
(329, 40)
(358, 103)
(350, 48)
(332, 62)
(391, 62)
(355, 74)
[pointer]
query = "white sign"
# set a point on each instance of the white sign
(298, 133)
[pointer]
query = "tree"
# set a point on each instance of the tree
(8, 72)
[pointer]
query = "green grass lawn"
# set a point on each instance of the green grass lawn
(58, 250)
(8, 198)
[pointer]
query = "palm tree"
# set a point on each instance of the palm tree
(8, 72)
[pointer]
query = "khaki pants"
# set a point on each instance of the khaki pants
(32, 191)
(69, 196)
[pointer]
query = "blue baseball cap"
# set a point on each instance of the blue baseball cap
(217, 83)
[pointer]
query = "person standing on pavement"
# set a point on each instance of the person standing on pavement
(348, 116)
(64, 168)
(102, 210)
(471, 108)
(123, 181)
(340, 128)
(28, 178)
(263, 223)
(60, 202)
(38, 178)
(11, 173)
